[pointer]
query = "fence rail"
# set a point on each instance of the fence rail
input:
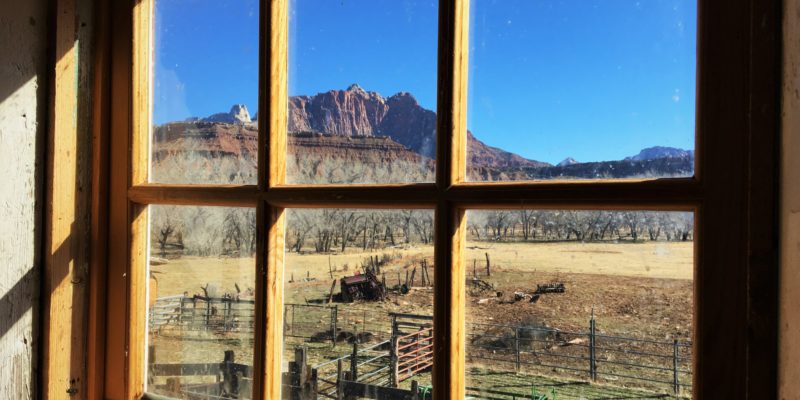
(200, 313)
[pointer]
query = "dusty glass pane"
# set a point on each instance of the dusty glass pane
(200, 315)
(581, 89)
(362, 91)
(579, 304)
(358, 303)
(205, 92)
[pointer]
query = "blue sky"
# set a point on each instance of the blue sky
(589, 79)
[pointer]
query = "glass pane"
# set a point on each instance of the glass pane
(579, 304)
(358, 303)
(201, 303)
(362, 87)
(205, 92)
(581, 89)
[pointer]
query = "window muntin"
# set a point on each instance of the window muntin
(601, 90)
(362, 92)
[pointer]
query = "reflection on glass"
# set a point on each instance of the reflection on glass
(205, 92)
(579, 304)
(581, 89)
(358, 303)
(201, 302)
(362, 86)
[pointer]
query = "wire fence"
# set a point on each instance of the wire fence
(589, 354)
(320, 323)
(200, 313)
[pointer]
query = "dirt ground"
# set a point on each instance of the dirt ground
(641, 290)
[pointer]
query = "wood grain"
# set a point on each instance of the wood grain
(66, 254)
(735, 184)
(278, 93)
(141, 123)
(116, 363)
(98, 269)
(274, 312)
(217, 195)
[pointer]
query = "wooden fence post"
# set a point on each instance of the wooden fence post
(393, 382)
(676, 385)
(151, 362)
(354, 362)
(230, 380)
(516, 349)
(334, 318)
(488, 266)
(592, 350)
(339, 380)
(414, 390)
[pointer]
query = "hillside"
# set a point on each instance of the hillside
(355, 136)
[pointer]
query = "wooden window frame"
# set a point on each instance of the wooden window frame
(733, 194)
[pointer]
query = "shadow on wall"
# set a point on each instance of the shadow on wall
(23, 132)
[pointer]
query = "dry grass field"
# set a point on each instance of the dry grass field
(641, 290)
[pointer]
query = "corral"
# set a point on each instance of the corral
(638, 342)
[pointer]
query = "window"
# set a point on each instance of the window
(723, 270)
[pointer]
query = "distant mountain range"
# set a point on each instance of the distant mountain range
(332, 124)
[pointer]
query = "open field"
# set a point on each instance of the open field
(672, 260)
(641, 290)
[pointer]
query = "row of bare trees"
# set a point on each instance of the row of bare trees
(202, 231)
(326, 229)
(206, 231)
(585, 226)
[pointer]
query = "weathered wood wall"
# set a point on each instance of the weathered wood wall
(23, 124)
(789, 351)
(67, 207)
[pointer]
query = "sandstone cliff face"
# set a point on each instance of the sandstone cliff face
(351, 112)
(356, 112)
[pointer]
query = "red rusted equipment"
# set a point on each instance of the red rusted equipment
(365, 286)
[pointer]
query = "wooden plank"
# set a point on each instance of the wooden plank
(66, 247)
(141, 74)
(683, 194)
(137, 301)
(260, 303)
(789, 351)
(264, 72)
(26, 47)
(274, 311)
(721, 224)
(139, 167)
(207, 195)
(96, 337)
(763, 181)
(460, 68)
(278, 93)
(118, 228)
(421, 195)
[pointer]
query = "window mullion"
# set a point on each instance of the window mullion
(448, 366)
(277, 27)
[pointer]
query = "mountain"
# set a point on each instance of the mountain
(355, 112)
(567, 161)
(237, 115)
(652, 153)
(356, 136)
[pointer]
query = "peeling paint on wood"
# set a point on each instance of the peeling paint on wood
(23, 111)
